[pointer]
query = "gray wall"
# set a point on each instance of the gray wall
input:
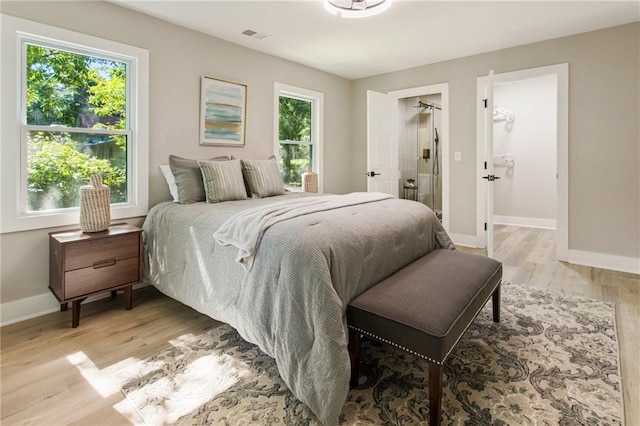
(178, 57)
(604, 137)
(604, 114)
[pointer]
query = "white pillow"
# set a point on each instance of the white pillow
(171, 181)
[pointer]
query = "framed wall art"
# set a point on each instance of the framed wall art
(223, 106)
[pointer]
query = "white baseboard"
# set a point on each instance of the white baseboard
(530, 222)
(578, 257)
(602, 260)
(466, 240)
(42, 304)
(30, 307)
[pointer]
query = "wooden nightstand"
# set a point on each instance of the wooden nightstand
(84, 264)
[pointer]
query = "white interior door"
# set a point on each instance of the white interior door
(488, 175)
(382, 143)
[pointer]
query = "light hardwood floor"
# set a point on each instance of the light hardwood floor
(52, 374)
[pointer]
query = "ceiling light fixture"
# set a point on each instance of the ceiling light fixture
(356, 8)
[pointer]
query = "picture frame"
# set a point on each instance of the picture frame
(223, 109)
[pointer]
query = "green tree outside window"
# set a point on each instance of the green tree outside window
(294, 133)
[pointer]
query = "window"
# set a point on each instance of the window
(76, 125)
(298, 139)
(83, 110)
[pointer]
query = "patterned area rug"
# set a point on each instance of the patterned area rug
(552, 360)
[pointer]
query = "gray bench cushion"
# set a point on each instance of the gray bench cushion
(426, 306)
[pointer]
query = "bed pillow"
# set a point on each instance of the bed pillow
(171, 181)
(223, 180)
(188, 178)
(263, 177)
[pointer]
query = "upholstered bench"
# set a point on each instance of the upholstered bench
(425, 308)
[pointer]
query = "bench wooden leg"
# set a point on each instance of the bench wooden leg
(495, 302)
(435, 393)
(354, 356)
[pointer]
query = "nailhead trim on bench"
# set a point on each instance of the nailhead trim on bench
(416, 353)
(394, 344)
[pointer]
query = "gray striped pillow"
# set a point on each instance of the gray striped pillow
(223, 180)
(188, 178)
(263, 177)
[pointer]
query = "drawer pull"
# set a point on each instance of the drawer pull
(104, 263)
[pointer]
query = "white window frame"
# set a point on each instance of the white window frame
(13, 188)
(317, 112)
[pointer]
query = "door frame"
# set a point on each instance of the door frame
(561, 71)
(443, 90)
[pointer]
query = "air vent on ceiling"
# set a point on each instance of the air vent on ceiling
(254, 34)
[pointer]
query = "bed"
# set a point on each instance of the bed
(291, 300)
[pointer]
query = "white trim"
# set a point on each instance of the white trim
(529, 222)
(466, 240)
(562, 234)
(88, 130)
(604, 261)
(443, 90)
(14, 30)
(42, 304)
(317, 125)
(562, 73)
(481, 192)
(578, 257)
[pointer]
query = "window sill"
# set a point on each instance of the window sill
(53, 220)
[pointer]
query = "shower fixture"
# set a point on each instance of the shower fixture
(436, 162)
(427, 105)
(426, 154)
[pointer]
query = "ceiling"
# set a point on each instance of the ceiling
(409, 34)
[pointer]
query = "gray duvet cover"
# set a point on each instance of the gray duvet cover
(292, 302)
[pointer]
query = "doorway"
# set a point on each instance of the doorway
(420, 150)
(524, 156)
(523, 148)
(418, 121)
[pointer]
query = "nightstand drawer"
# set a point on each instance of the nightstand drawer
(87, 253)
(105, 274)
